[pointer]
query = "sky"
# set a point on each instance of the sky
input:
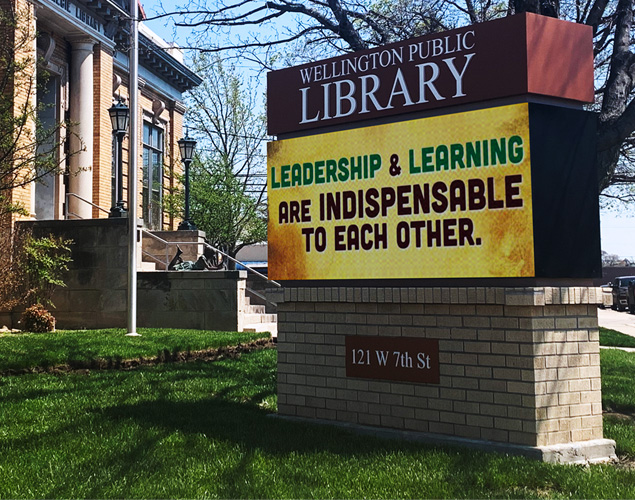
(617, 228)
(618, 233)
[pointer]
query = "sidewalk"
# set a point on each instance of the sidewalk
(620, 321)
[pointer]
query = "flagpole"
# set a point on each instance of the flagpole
(133, 61)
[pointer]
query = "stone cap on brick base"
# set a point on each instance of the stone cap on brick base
(506, 296)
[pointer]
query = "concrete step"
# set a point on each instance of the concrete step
(147, 266)
(158, 266)
(262, 327)
(255, 309)
(250, 319)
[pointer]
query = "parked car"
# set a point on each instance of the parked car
(620, 292)
(631, 297)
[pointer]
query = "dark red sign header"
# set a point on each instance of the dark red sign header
(514, 56)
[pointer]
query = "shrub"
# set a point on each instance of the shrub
(30, 270)
(37, 319)
(44, 261)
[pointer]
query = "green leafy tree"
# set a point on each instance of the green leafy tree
(228, 176)
(221, 206)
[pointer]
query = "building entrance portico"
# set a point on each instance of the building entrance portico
(69, 36)
(81, 65)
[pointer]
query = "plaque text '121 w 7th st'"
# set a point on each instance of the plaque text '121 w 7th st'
(389, 358)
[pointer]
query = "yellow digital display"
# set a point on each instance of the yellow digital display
(440, 197)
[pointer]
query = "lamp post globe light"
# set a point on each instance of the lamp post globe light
(186, 146)
(119, 116)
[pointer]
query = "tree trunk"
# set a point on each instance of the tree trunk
(549, 8)
(613, 123)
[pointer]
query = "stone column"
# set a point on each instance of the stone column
(81, 116)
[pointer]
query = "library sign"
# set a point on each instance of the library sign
(498, 192)
(516, 55)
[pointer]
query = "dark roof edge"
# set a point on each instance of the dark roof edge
(152, 56)
(159, 61)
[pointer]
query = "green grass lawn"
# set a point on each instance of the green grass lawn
(613, 338)
(205, 430)
(618, 398)
(27, 350)
(201, 430)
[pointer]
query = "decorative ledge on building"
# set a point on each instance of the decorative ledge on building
(506, 296)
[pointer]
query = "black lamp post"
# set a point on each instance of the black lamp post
(187, 145)
(119, 115)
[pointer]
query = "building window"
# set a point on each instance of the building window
(48, 98)
(152, 175)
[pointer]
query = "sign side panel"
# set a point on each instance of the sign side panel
(560, 59)
(565, 184)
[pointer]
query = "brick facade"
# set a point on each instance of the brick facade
(517, 365)
(102, 140)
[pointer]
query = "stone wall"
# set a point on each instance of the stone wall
(97, 285)
(517, 365)
(203, 300)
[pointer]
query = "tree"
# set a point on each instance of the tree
(319, 28)
(227, 179)
(610, 259)
(222, 206)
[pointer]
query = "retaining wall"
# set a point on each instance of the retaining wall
(97, 284)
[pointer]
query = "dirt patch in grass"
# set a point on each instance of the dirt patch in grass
(165, 356)
(622, 417)
(626, 461)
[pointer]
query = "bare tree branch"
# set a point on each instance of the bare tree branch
(313, 29)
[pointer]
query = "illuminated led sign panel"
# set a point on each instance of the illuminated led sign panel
(490, 193)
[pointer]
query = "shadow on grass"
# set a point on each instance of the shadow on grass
(317, 450)
(198, 430)
(232, 412)
(243, 424)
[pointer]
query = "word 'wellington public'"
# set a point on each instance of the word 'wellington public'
(344, 97)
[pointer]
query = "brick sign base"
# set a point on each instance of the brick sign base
(518, 368)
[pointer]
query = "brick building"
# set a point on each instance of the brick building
(78, 50)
